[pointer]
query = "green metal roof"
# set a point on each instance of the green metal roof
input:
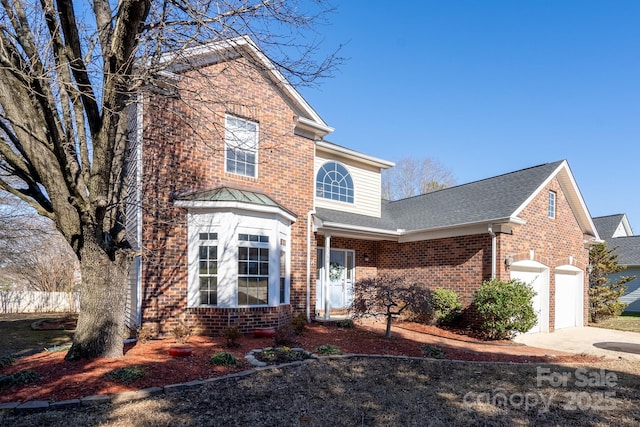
(228, 194)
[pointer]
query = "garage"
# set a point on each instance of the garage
(536, 275)
(569, 297)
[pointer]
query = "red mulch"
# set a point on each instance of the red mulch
(61, 380)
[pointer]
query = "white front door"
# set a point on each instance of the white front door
(341, 275)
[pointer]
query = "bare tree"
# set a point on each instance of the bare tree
(390, 296)
(412, 177)
(68, 70)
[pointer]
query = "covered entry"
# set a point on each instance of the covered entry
(569, 297)
(537, 275)
(340, 284)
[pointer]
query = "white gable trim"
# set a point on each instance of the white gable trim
(574, 197)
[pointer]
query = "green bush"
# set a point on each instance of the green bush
(328, 349)
(432, 351)
(223, 359)
(505, 308)
(345, 324)
(25, 376)
(446, 305)
(6, 361)
(127, 374)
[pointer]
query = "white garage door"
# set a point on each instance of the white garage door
(536, 275)
(569, 297)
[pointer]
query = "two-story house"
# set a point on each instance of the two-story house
(247, 215)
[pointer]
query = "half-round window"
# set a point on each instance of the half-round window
(334, 182)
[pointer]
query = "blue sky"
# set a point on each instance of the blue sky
(489, 87)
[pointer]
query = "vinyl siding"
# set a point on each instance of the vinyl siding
(366, 182)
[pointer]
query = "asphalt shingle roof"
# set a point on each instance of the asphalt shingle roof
(484, 200)
(627, 248)
(607, 225)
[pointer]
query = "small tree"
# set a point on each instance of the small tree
(604, 293)
(389, 296)
(505, 308)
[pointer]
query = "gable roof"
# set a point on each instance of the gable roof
(626, 245)
(308, 121)
(613, 225)
(468, 208)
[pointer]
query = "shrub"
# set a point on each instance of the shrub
(345, 323)
(25, 376)
(231, 334)
(432, 351)
(283, 336)
(277, 355)
(328, 349)
(181, 332)
(127, 374)
(223, 358)
(446, 305)
(505, 308)
(299, 324)
(6, 361)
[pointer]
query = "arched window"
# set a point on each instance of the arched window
(334, 182)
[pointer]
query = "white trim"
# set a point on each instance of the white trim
(228, 225)
(374, 161)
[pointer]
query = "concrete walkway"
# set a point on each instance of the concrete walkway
(588, 340)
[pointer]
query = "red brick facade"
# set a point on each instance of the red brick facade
(183, 151)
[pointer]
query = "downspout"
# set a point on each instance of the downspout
(309, 228)
(493, 251)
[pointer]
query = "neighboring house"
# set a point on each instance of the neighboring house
(616, 232)
(247, 216)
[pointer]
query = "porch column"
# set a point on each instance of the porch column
(325, 279)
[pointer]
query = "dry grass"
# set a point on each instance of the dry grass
(626, 322)
(384, 392)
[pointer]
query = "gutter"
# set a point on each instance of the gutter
(308, 302)
(493, 251)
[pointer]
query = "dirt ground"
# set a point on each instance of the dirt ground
(366, 391)
(62, 380)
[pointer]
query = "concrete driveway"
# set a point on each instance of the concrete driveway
(596, 341)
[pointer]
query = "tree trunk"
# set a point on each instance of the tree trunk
(103, 296)
(387, 333)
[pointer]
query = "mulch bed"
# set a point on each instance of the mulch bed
(61, 380)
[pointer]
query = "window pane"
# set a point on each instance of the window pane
(334, 182)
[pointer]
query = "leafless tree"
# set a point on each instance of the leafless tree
(413, 176)
(32, 251)
(68, 71)
(390, 296)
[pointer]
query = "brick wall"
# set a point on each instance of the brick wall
(462, 263)
(552, 241)
(183, 151)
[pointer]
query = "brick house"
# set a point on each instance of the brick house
(247, 216)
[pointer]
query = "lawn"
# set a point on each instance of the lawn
(18, 339)
(626, 322)
(377, 391)
(373, 391)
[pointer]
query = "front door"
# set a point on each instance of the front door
(341, 275)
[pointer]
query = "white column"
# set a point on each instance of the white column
(325, 279)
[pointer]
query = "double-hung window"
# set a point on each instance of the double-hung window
(241, 146)
(208, 268)
(253, 269)
(551, 209)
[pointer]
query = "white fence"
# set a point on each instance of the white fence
(38, 302)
